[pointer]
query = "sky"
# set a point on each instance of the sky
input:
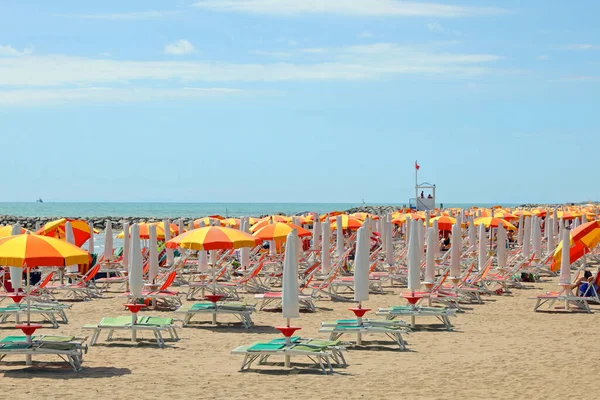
(299, 100)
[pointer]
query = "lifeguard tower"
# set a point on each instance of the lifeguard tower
(424, 199)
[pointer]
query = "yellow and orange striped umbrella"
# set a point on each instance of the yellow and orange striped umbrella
(568, 215)
(208, 221)
(444, 222)
(6, 230)
(279, 231)
(348, 222)
(402, 218)
(524, 213)
(491, 222)
(506, 216)
(269, 220)
(231, 223)
(40, 251)
(363, 216)
(56, 229)
(213, 238)
(540, 212)
(145, 230)
(583, 238)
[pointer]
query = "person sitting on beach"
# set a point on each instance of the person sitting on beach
(445, 243)
(586, 285)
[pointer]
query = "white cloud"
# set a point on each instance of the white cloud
(365, 35)
(179, 47)
(375, 61)
(542, 58)
(122, 16)
(366, 8)
(7, 50)
(581, 46)
(435, 27)
(32, 97)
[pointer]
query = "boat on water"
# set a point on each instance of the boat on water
(39, 200)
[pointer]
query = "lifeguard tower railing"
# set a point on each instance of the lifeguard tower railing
(421, 204)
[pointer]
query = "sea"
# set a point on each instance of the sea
(187, 210)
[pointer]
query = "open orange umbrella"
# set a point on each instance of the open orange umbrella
(279, 231)
(40, 251)
(363, 216)
(491, 222)
(568, 215)
(231, 222)
(268, 220)
(348, 222)
(145, 230)
(56, 229)
(524, 213)
(213, 238)
(445, 223)
(208, 221)
(6, 230)
(506, 216)
(583, 239)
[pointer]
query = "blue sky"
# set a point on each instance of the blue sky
(299, 100)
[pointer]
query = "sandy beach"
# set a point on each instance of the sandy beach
(500, 349)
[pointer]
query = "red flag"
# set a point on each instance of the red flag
(417, 166)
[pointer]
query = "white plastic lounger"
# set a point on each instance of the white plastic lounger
(239, 310)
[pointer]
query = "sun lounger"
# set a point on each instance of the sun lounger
(68, 348)
(241, 311)
(156, 325)
(570, 301)
(442, 314)
(273, 300)
(393, 332)
(320, 352)
(47, 312)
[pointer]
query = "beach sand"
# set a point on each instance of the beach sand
(499, 350)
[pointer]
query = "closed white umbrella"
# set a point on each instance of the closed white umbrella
(126, 243)
(16, 274)
(436, 233)
(108, 242)
(290, 304)
(317, 233)
(501, 249)
(170, 254)
(70, 238)
(135, 264)
(202, 256)
(91, 249)
(537, 238)
(325, 254)
(389, 249)
(471, 233)
(521, 230)
(135, 278)
(339, 236)
(414, 260)
(482, 256)
(526, 250)
(244, 251)
(153, 261)
(565, 266)
(430, 257)
(422, 232)
(455, 253)
(550, 228)
(407, 226)
(361, 266)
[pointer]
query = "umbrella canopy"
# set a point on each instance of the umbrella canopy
(290, 304)
(361, 265)
(231, 223)
(539, 212)
(280, 231)
(213, 238)
(506, 216)
(261, 223)
(40, 251)
(7, 230)
(348, 222)
(524, 213)
(444, 223)
(57, 229)
(363, 215)
(144, 229)
(493, 222)
(568, 215)
(401, 219)
(583, 238)
(208, 221)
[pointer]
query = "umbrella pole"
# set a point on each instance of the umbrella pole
(28, 357)
(288, 342)
(359, 321)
